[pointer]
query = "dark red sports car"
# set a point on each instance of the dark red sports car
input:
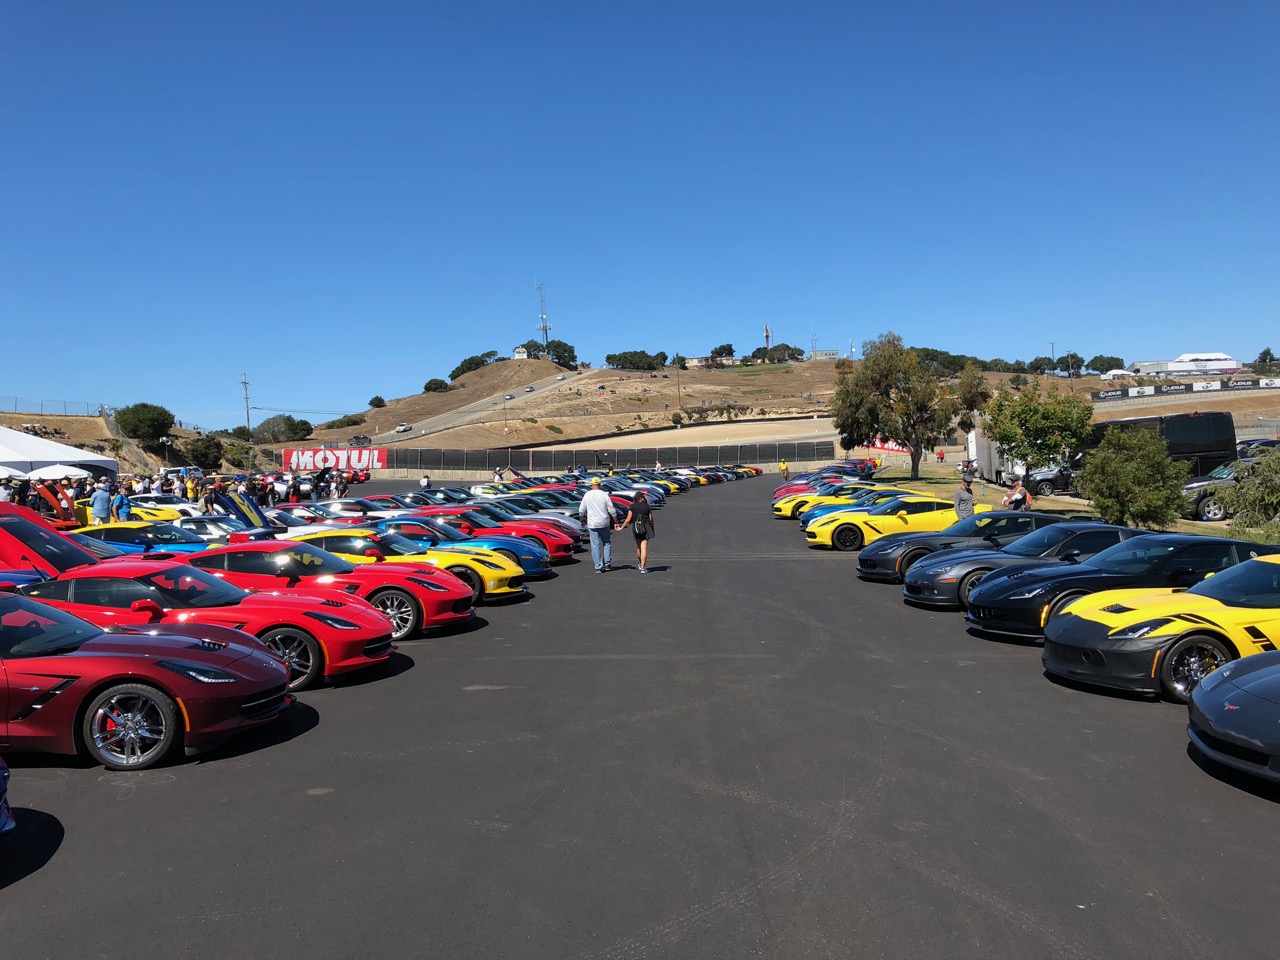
(413, 599)
(129, 698)
(317, 637)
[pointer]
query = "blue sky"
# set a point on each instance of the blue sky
(345, 199)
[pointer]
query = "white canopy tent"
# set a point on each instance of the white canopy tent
(24, 453)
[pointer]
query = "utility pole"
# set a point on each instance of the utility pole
(245, 383)
(543, 326)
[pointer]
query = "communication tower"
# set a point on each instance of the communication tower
(543, 326)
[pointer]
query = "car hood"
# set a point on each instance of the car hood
(155, 643)
(1201, 483)
(1120, 608)
(1060, 572)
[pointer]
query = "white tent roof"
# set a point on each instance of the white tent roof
(22, 451)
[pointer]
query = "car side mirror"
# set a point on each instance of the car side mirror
(902, 514)
(1071, 556)
(152, 609)
(377, 556)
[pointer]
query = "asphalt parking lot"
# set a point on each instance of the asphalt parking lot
(745, 753)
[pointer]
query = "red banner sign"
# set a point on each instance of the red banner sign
(337, 458)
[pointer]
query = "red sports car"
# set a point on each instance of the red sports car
(412, 598)
(129, 698)
(317, 637)
(470, 519)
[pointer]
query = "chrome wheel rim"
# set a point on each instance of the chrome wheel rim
(399, 610)
(293, 649)
(1212, 510)
(129, 729)
(1192, 664)
(967, 587)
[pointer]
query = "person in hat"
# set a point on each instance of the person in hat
(5, 492)
(963, 499)
(600, 515)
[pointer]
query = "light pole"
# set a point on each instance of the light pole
(166, 442)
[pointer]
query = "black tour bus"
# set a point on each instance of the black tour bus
(1207, 439)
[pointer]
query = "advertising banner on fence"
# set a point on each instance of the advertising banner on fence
(1173, 389)
(305, 460)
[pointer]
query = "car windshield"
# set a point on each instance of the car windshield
(1132, 556)
(1224, 472)
(968, 527)
(103, 551)
(394, 545)
(168, 533)
(160, 498)
(31, 629)
(442, 531)
(315, 509)
(288, 519)
(1254, 583)
(55, 550)
(312, 561)
(183, 586)
(478, 519)
(1038, 543)
(511, 512)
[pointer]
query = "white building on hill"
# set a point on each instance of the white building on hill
(1187, 365)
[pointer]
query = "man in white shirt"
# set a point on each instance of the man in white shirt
(600, 515)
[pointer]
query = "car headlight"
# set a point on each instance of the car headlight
(941, 571)
(428, 584)
(488, 564)
(1026, 593)
(331, 621)
(194, 671)
(1139, 630)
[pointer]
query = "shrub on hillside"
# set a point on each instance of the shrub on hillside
(144, 422)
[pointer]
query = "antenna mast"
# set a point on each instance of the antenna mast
(768, 337)
(244, 381)
(543, 326)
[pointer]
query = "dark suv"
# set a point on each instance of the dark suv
(360, 440)
(1202, 504)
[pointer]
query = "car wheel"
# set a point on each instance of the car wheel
(401, 609)
(966, 585)
(1044, 488)
(531, 538)
(1188, 662)
(131, 727)
(847, 537)
(1213, 510)
(798, 509)
(509, 555)
(910, 559)
(1061, 604)
(300, 652)
(472, 580)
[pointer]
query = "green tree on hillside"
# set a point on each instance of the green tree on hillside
(1071, 364)
(562, 354)
(532, 348)
(1042, 365)
(1103, 363)
(473, 363)
(144, 422)
(281, 428)
(205, 452)
(435, 385)
(724, 351)
(376, 402)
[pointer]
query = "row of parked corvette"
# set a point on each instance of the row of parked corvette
(130, 641)
(1194, 619)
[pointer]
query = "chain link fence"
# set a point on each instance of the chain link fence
(36, 405)
(559, 461)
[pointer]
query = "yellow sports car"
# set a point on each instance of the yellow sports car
(136, 512)
(490, 575)
(793, 504)
(1164, 641)
(906, 514)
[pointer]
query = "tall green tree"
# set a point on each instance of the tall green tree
(1071, 364)
(1037, 428)
(893, 395)
(533, 349)
(1265, 361)
(1131, 479)
(435, 385)
(377, 402)
(144, 422)
(562, 354)
(972, 392)
(722, 351)
(281, 428)
(1042, 365)
(1103, 363)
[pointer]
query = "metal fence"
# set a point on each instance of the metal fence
(66, 408)
(548, 460)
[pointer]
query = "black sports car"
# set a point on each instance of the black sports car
(888, 558)
(947, 578)
(1233, 715)
(1021, 602)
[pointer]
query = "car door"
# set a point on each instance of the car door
(1193, 563)
(1088, 542)
(26, 683)
(256, 569)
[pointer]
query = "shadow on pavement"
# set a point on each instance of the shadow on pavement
(294, 722)
(1255, 786)
(393, 666)
(1110, 693)
(30, 846)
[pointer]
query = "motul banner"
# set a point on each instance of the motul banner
(337, 458)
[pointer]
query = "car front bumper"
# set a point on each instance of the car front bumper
(1079, 649)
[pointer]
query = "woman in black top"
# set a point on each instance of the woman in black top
(640, 518)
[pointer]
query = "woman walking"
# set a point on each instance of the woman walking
(640, 519)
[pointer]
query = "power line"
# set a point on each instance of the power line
(282, 410)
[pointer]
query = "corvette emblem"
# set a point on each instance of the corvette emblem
(1230, 706)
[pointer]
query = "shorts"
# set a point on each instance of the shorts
(97, 521)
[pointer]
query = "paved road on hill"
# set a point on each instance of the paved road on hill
(488, 408)
(746, 753)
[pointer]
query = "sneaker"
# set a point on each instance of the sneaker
(599, 569)
(643, 570)
(607, 568)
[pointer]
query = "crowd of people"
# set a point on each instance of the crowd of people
(49, 433)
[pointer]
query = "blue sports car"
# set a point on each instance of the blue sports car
(533, 558)
(142, 537)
